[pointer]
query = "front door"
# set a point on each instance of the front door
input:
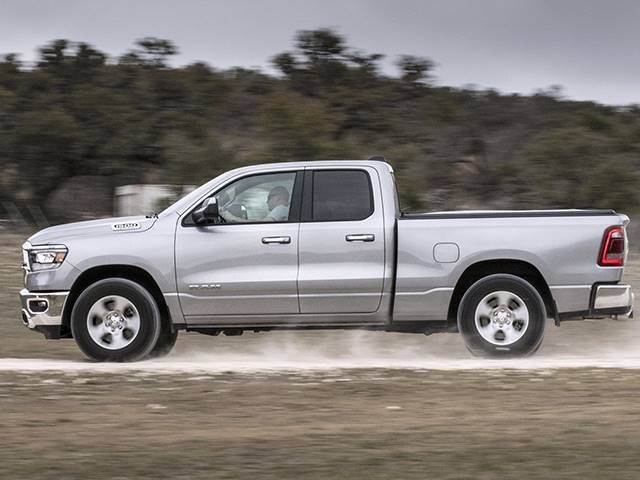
(341, 242)
(246, 263)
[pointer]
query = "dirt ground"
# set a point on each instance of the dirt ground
(320, 405)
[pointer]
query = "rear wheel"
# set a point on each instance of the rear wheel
(502, 315)
(115, 320)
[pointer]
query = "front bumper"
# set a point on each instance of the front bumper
(614, 300)
(42, 311)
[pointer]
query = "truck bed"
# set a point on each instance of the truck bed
(562, 245)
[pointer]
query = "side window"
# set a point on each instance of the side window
(340, 195)
(256, 199)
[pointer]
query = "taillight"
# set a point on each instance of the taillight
(612, 250)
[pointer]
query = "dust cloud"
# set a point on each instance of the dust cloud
(586, 344)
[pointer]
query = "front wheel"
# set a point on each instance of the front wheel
(115, 320)
(502, 315)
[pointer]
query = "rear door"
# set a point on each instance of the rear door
(341, 241)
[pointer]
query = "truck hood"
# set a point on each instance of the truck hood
(105, 226)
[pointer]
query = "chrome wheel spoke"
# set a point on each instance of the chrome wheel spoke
(118, 341)
(521, 313)
(96, 331)
(120, 304)
(488, 326)
(503, 297)
(99, 309)
(510, 335)
(484, 309)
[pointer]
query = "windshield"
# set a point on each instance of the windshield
(183, 203)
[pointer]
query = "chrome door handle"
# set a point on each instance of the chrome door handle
(276, 239)
(361, 237)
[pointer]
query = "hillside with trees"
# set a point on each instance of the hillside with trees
(80, 116)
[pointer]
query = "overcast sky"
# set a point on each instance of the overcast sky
(591, 48)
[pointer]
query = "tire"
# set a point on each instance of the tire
(165, 343)
(502, 315)
(115, 320)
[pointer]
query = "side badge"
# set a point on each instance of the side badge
(126, 226)
(204, 286)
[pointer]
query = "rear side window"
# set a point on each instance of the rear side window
(340, 195)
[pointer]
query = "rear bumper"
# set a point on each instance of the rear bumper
(613, 300)
(41, 311)
(613, 296)
(604, 300)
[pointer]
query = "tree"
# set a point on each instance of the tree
(415, 69)
(151, 52)
(321, 45)
(54, 54)
(295, 127)
(87, 57)
(322, 62)
(43, 144)
(575, 167)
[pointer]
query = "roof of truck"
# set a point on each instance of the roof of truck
(186, 201)
(317, 163)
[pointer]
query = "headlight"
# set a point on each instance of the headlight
(45, 257)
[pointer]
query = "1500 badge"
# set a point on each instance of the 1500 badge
(120, 227)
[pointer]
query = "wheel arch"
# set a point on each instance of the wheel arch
(519, 268)
(128, 272)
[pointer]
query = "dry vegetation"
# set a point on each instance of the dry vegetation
(136, 119)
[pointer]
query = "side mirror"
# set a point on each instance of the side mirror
(207, 212)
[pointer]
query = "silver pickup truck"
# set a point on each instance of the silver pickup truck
(320, 245)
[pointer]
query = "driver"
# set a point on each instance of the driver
(277, 204)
